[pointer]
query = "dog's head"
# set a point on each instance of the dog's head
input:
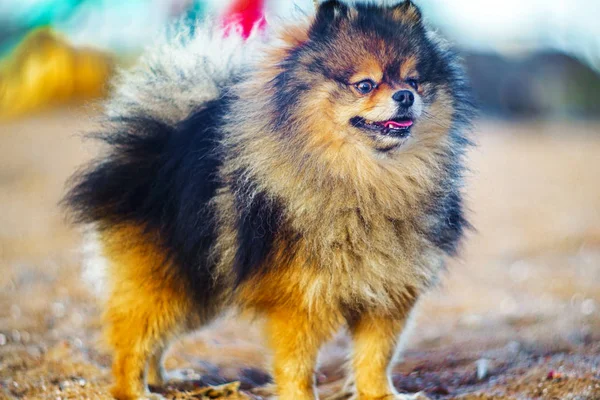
(368, 75)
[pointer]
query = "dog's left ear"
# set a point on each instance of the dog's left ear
(406, 12)
(329, 15)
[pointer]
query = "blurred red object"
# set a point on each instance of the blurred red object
(245, 14)
(553, 375)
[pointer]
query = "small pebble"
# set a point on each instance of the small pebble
(483, 366)
(186, 374)
(2, 339)
(16, 336)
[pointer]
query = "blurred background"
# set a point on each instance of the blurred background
(516, 317)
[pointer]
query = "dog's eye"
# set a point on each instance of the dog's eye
(413, 83)
(365, 87)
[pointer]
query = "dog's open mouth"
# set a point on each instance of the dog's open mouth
(397, 127)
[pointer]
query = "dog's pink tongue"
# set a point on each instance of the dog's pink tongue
(401, 124)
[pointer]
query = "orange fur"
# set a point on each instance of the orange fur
(407, 13)
(296, 327)
(371, 69)
(408, 69)
(146, 308)
(296, 337)
(375, 345)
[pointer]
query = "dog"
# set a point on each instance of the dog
(311, 176)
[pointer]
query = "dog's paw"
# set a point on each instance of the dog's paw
(349, 395)
(406, 396)
(119, 395)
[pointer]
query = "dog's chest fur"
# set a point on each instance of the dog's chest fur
(337, 247)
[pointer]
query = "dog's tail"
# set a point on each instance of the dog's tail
(188, 72)
(186, 68)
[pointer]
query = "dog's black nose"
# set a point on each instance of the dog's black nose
(406, 98)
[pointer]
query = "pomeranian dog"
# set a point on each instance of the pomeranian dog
(310, 176)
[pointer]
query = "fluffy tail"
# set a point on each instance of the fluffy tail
(189, 66)
(184, 77)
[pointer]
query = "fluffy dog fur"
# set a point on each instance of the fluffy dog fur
(241, 176)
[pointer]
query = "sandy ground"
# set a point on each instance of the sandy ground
(517, 316)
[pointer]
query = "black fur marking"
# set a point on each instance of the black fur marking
(288, 89)
(328, 16)
(450, 223)
(162, 178)
(259, 223)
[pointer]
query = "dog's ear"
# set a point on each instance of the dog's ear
(329, 15)
(406, 12)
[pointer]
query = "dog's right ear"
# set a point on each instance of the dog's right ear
(329, 15)
(407, 12)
